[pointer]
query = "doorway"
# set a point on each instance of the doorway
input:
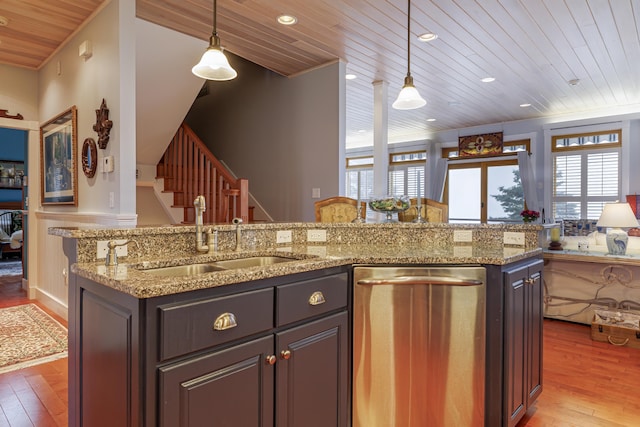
(13, 177)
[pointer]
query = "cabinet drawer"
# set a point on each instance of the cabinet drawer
(189, 327)
(301, 300)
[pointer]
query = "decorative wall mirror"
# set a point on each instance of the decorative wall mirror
(89, 157)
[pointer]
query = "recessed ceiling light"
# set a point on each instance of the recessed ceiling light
(431, 120)
(427, 37)
(487, 79)
(574, 82)
(525, 105)
(287, 19)
(4, 21)
(350, 76)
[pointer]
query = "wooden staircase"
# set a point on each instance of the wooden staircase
(189, 169)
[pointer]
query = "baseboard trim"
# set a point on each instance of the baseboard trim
(51, 302)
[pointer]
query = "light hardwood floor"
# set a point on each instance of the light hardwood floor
(37, 395)
(586, 383)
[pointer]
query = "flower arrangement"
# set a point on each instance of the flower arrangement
(529, 215)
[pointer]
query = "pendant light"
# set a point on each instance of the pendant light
(214, 65)
(409, 98)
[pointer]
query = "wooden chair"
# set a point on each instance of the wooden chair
(10, 222)
(432, 211)
(339, 209)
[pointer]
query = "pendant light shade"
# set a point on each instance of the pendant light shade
(214, 64)
(409, 98)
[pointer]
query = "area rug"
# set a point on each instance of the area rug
(11, 268)
(29, 336)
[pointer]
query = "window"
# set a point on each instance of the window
(485, 190)
(586, 173)
(359, 180)
(407, 173)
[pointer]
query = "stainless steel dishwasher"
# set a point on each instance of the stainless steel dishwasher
(419, 346)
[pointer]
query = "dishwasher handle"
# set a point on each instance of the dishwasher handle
(421, 280)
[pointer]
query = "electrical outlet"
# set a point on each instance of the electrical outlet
(513, 238)
(316, 235)
(102, 249)
(283, 236)
(462, 235)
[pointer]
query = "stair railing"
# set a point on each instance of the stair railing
(190, 169)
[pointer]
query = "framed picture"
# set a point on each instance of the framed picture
(58, 159)
(488, 144)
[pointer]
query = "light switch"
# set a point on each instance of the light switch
(107, 164)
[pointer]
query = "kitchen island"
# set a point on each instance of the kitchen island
(145, 349)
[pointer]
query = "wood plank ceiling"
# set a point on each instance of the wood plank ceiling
(533, 49)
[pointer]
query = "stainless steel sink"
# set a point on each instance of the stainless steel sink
(255, 261)
(184, 270)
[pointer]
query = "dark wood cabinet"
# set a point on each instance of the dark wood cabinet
(272, 352)
(231, 387)
(279, 356)
(312, 374)
(235, 386)
(523, 317)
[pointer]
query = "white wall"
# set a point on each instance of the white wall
(165, 87)
(19, 91)
(85, 83)
(282, 134)
(67, 80)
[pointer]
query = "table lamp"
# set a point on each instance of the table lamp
(616, 216)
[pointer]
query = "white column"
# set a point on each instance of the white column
(380, 138)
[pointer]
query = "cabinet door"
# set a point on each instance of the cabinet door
(312, 378)
(522, 339)
(534, 297)
(232, 387)
(514, 345)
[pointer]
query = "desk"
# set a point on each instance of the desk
(578, 282)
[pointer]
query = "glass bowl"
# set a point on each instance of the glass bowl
(389, 205)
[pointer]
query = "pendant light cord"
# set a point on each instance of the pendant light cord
(409, 38)
(215, 13)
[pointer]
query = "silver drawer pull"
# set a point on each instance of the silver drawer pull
(225, 321)
(316, 298)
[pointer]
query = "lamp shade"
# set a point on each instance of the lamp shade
(409, 98)
(617, 215)
(214, 65)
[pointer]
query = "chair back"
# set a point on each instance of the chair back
(432, 211)
(339, 209)
(6, 224)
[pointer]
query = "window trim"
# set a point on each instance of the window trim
(483, 164)
(584, 151)
(603, 146)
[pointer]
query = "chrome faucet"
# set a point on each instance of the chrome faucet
(237, 222)
(200, 206)
(112, 255)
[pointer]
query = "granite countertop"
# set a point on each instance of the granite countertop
(129, 276)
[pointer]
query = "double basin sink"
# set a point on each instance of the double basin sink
(208, 267)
